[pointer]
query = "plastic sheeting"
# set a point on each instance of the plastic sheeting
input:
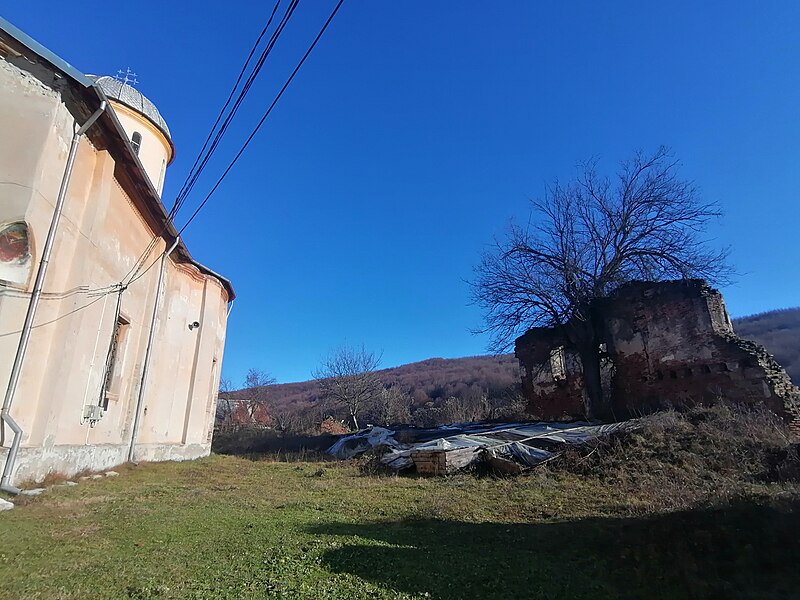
(527, 444)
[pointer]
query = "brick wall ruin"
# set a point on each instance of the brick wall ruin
(666, 344)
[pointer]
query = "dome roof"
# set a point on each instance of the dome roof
(132, 98)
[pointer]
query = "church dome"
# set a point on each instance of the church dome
(132, 98)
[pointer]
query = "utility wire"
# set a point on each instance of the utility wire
(263, 118)
(112, 289)
(234, 109)
(57, 318)
(202, 160)
(227, 102)
(136, 272)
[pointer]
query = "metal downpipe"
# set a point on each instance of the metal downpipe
(36, 294)
(148, 352)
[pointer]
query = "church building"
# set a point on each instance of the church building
(111, 334)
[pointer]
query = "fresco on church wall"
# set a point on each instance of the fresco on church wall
(15, 252)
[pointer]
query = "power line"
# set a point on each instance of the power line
(115, 288)
(228, 101)
(57, 318)
(202, 159)
(186, 189)
(136, 272)
(264, 117)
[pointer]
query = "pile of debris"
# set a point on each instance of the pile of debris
(506, 447)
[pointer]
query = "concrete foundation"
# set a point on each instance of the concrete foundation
(34, 464)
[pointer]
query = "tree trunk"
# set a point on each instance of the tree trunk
(355, 419)
(592, 381)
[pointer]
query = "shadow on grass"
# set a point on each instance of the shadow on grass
(741, 551)
(266, 444)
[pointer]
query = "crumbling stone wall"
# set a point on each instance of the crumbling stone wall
(667, 344)
(552, 375)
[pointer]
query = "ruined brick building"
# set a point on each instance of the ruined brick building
(661, 345)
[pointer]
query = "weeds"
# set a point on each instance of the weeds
(680, 459)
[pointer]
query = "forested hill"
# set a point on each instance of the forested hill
(427, 380)
(779, 332)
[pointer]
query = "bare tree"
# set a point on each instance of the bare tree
(224, 412)
(587, 238)
(254, 396)
(391, 406)
(284, 418)
(347, 379)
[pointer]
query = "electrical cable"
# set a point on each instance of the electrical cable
(136, 272)
(186, 189)
(263, 118)
(197, 170)
(228, 101)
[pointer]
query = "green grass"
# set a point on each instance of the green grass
(227, 527)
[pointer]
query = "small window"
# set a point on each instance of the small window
(136, 142)
(111, 386)
(558, 365)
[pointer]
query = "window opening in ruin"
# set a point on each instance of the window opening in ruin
(136, 142)
(111, 386)
(727, 317)
(558, 364)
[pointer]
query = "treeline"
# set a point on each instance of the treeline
(427, 393)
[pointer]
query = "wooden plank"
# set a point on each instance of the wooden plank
(444, 462)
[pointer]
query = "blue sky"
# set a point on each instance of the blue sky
(417, 129)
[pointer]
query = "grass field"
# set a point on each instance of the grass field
(229, 527)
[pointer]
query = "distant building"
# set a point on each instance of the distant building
(666, 344)
(94, 386)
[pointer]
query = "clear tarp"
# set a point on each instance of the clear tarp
(527, 444)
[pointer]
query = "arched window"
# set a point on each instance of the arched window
(136, 142)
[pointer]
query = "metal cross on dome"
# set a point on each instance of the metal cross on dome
(127, 77)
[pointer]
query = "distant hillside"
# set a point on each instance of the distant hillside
(779, 332)
(426, 380)
(427, 393)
